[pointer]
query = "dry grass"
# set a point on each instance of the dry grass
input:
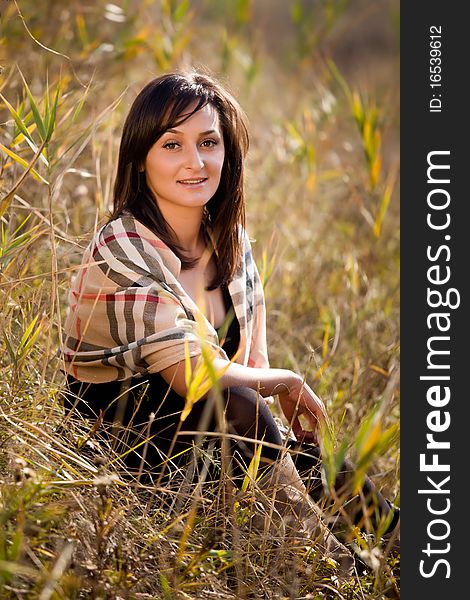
(322, 205)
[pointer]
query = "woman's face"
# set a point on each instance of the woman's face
(184, 165)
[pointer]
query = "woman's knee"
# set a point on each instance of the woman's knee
(244, 404)
(241, 391)
(249, 415)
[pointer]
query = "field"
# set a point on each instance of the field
(319, 83)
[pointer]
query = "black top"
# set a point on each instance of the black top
(231, 339)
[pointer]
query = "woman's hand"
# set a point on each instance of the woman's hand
(297, 398)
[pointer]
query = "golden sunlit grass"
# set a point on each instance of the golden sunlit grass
(322, 177)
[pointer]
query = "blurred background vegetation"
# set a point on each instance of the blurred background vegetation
(319, 81)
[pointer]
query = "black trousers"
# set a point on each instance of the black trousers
(143, 419)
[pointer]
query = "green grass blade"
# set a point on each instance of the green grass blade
(340, 79)
(35, 110)
(22, 162)
(19, 122)
(52, 115)
(9, 348)
(28, 335)
(181, 11)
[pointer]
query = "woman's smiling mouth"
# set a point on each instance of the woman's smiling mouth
(193, 182)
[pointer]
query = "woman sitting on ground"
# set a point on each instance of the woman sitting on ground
(174, 266)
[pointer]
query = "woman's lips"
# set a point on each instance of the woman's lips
(194, 183)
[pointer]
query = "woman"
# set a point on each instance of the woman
(172, 273)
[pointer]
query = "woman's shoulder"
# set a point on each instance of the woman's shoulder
(246, 241)
(246, 260)
(121, 223)
(128, 230)
(123, 237)
(243, 237)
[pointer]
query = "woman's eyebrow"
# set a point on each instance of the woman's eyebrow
(202, 132)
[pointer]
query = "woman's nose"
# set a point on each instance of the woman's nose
(193, 159)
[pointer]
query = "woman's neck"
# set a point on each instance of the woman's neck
(186, 223)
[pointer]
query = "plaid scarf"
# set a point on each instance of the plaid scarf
(128, 314)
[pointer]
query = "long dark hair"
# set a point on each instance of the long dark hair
(159, 107)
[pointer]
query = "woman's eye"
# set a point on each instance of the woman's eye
(172, 144)
(210, 142)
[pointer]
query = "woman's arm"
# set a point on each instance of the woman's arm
(295, 396)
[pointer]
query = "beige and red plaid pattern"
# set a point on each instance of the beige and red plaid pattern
(129, 316)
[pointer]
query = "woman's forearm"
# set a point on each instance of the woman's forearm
(266, 381)
(296, 398)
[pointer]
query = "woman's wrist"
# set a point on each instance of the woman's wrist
(288, 380)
